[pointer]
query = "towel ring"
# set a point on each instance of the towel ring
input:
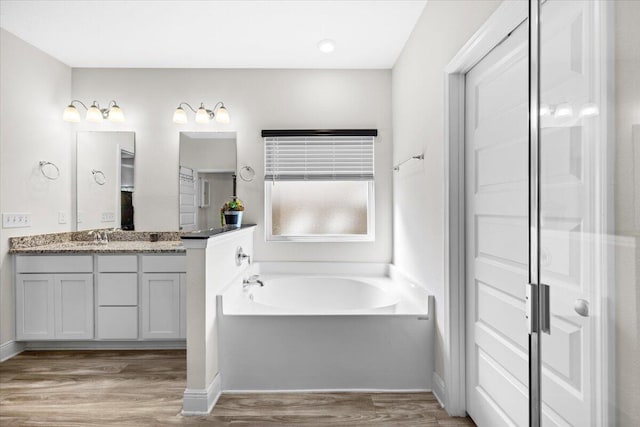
(247, 173)
(50, 176)
(96, 177)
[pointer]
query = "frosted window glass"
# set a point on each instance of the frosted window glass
(303, 208)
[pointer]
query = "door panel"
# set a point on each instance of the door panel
(571, 179)
(497, 235)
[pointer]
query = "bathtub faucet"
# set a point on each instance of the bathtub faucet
(251, 281)
(241, 256)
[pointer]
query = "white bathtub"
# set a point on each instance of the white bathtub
(322, 295)
(305, 331)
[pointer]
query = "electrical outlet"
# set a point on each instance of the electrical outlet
(108, 217)
(16, 220)
(62, 217)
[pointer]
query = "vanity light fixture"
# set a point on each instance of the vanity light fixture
(589, 110)
(94, 113)
(326, 46)
(563, 110)
(203, 115)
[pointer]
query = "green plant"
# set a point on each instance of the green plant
(234, 204)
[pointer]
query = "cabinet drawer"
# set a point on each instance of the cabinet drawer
(54, 263)
(164, 263)
(118, 323)
(118, 289)
(118, 263)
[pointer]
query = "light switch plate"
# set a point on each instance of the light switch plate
(108, 217)
(62, 217)
(16, 220)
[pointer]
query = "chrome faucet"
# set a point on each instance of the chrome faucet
(100, 237)
(241, 256)
(251, 281)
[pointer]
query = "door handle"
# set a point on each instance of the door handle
(545, 309)
(581, 307)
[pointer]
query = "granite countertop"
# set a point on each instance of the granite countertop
(81, 242)
(73, 247)
(205, 234)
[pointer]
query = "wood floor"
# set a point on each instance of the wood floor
(140, 388)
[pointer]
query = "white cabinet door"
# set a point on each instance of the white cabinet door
(34, 307)
(73, 301)
(161, 305)
(117, 323)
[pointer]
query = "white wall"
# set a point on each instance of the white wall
(418, 126)
(35, 88)
(208, 154)
(256, 100)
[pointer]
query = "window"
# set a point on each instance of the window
(319, 187)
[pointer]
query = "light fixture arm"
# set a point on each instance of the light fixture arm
(79, 102)
(188, 105)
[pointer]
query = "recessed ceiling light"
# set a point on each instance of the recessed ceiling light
(326, 46)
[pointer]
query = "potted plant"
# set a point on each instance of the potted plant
(231, 213)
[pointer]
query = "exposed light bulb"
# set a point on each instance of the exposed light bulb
(94, 114)
(116, 115)
(563, 110)
(202, 116)
(179, 116)
(545, 110)
(222, 115)
(71, 114)
(326, 46)
(589, 110)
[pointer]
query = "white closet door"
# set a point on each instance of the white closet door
(496, 144)
(573, 241)
(188, 200)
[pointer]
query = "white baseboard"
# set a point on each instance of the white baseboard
(332, 390)
(439, 390)
(10, 349)
(197, 402)
(105, 345)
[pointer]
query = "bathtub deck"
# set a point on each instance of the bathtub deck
(85, 388)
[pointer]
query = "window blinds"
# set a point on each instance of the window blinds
(320, 158)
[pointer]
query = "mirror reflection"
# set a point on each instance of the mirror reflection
(105, 171)
(207, 165)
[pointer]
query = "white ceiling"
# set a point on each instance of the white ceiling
(215, 34)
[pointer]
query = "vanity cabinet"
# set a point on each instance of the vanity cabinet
(117, 297)
(163, 297)
(161, 305)
(100, 297)
(54, 306)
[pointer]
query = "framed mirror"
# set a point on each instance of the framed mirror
(207, 164)
(105, 172)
